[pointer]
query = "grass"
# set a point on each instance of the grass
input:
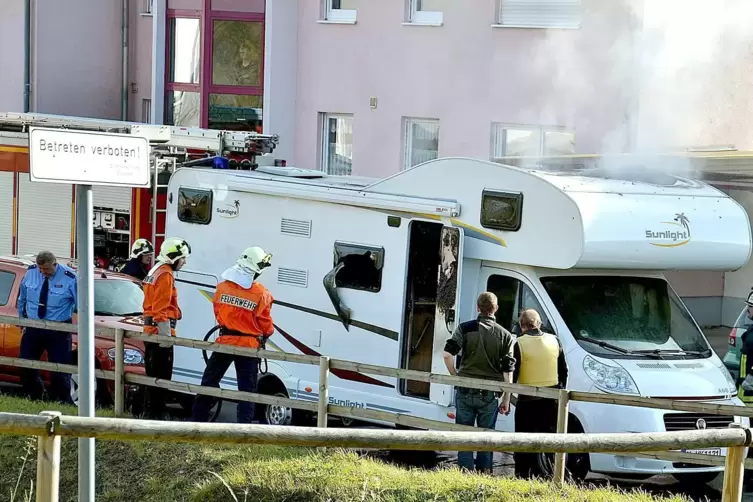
(140, 471)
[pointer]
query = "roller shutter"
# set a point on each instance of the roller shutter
(44, 217)
(540, 13)
(112, 198)
(6, 213)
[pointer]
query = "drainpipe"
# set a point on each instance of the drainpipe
(27, 55)
(124, 83)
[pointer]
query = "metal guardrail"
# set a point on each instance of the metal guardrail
(323, 408)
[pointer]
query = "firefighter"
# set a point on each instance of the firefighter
(745, 379)
(161, 314)
(539, 362)
(138, 264)
(242, 308)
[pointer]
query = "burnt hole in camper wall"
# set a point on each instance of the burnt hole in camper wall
(362, 266)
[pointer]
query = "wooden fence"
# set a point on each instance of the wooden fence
(323, 408)
(49, 427)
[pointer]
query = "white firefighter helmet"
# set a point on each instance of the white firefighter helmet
(173, 249)
(141, 247)
(255, 259)
(749, 301)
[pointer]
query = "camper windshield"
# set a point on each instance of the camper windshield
(621, 317)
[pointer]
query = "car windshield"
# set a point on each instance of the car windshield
(618, 316)
(117, 297)
(743, 321)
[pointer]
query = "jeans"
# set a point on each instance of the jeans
(246, 371)
(477, 408)
(36, 342)
(158, 364)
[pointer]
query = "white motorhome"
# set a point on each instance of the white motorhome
(366, 270)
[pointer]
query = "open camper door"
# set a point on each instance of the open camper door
(448, 296)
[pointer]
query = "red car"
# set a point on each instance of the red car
(118, 301)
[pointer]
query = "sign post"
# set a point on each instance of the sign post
(87, 158)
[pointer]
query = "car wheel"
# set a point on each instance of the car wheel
(186, 403)
(276, 414)
(74, 389)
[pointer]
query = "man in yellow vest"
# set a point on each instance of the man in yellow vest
(539, 362)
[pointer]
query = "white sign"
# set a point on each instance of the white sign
(88, 158)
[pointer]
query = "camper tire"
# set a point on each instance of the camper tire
(269, 385)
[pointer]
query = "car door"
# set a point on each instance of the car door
(10, 333)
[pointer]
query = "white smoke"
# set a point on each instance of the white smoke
(665, 76)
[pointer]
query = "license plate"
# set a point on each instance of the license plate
(708, 451)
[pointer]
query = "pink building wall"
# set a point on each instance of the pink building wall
(12, 55)
(465, 73)
(77, 62)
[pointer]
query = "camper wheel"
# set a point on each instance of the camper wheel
(269, 414)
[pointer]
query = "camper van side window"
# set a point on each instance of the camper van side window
(195, 206)
(362, 266)
(501, 210)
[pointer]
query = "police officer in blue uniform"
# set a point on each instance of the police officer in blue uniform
(48, 292)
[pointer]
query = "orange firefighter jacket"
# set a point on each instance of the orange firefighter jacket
(161, 298)
(246, 311)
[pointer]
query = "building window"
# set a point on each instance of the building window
(237, 53)
(343, 11)
(185, 48)
(195, 206)
(425, 12)
(421, 143)
(183, 109)
(235, 112)
(146, 6)
(524, 141)
(183, 89)
(146, 111)
(337, 144)
(540, 13)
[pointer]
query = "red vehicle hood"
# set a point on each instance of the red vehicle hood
(127, 323)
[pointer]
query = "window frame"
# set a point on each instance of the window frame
(522, 282)
(324, 137)
(538, 24)
(499, 133)
(205, 86)
(408, 122)
(517, 196)
(423, 17)
(210, 193)
(14, 277)
(332, 15)
(379, 250)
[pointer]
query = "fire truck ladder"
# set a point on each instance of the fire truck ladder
(161, 166)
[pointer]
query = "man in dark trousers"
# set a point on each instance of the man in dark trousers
(49, 292)
(487, 353)
(539, 362)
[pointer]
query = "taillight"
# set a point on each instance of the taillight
(732, 338)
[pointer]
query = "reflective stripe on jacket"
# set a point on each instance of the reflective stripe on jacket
(246, 311)
(160, 298)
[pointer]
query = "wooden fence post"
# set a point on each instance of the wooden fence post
(563, 409)
(321, 420)
(119, 373)
(48, 463)
(734, 469)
